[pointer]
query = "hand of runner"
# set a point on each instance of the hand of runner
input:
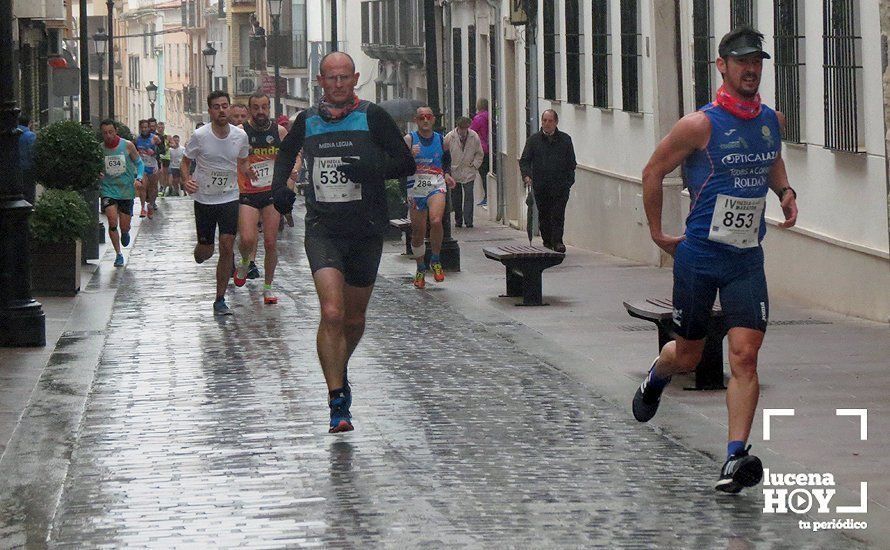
(252, 174)
(415, 149)
(283, 198)
(139, 184)
(528, 181)
(191, 186)
(789, 208)
(449, 181)
(359, 170)
(668, 243)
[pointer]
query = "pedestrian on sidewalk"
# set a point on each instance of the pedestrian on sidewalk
(721, 248)
(122, 173)
(466, 158)
(219, 150)
(548, 167)
(480, 126)
(350, 147)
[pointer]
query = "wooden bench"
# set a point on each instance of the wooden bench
(404, 225)
(709, 371)
(524, 265)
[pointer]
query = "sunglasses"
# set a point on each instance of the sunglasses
(426, 117)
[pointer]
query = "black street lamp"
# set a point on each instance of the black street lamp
(209, 54)
(152, 92)
(22, 321)
(100, 40)
(275, 12)
(110, 5)
(83, 54)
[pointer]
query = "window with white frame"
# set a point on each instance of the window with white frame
(631, 55)
(789, 63)
(600, 52)
(842, 70)
(574, 50)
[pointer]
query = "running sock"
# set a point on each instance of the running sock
(245, 261)
(734, 448)
(434, 258)
(421, 268)
(267, 286)
(339, 392)
(656, 381)
(220, 299)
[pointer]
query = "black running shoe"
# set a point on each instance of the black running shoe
(647, 398)
(739, 471)
(253, 272)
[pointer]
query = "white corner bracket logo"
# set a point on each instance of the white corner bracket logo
(800, 493)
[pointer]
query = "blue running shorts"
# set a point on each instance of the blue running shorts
(701, 271)
(422, 203)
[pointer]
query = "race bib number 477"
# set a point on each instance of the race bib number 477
(332, 185)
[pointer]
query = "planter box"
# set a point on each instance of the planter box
(55, 268)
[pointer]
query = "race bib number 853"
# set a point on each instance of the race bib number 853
(736, 221)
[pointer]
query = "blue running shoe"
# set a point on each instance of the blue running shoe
(125, 238)
(341, 419)
(221, 308)
(119, 261)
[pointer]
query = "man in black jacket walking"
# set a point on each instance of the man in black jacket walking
(548, 166)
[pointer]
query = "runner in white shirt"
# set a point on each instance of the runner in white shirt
(220, 152)
(176, 153)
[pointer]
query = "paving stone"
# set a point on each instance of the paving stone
(204, 431)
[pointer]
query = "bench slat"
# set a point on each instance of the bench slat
(509, 252)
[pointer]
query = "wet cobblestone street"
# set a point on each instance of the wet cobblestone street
(204, 431)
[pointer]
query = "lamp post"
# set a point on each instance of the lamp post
(100, 40)
(83, 53)
(110, 5)
(152, 92)
(209, 54)
(22, 321)
(275, 12)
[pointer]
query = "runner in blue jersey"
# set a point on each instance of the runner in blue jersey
(426, 192)
(731, 151)
(148, 145)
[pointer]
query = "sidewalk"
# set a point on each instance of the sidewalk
(812, 361)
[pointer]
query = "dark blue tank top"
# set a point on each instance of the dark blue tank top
(736, 163)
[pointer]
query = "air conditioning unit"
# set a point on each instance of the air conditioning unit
(246, 86)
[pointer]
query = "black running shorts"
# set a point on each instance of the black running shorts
(257, 200)
(124, 206)
(356, 259)
(209, 216)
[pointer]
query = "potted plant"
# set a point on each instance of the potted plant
(59, 221)
(396, 205)
(69, 156)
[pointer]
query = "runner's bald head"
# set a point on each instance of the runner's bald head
(332, 57)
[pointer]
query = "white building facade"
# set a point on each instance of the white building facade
(613, 72)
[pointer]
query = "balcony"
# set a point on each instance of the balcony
(292, 50)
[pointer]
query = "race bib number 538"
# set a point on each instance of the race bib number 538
(736, 221)
(330, 184)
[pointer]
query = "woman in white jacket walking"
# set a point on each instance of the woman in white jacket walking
(466, 158)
